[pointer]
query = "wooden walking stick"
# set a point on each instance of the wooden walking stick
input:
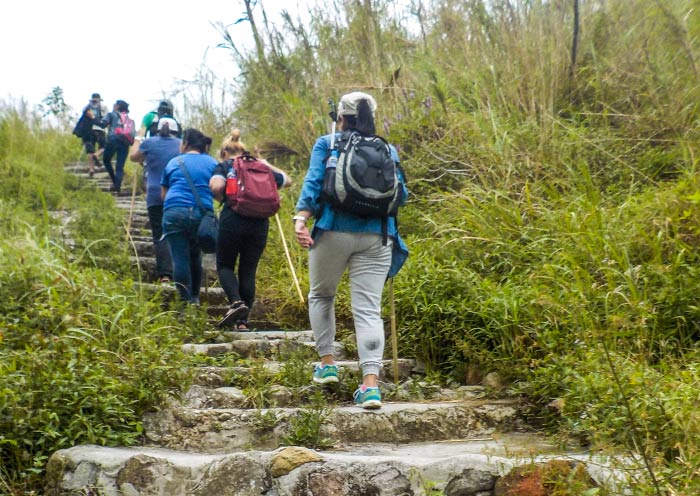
(394, 337)
(289, 258)
(131, 208)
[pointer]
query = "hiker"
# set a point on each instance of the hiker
(149, 128)
(370, 248)
(241, 238)
(149, 123)
(181, 213)
(94, 135)
(154, 154)
(118, 142)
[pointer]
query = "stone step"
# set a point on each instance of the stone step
(458, 468)
(214, 377)
(208, 295)
(144, 248)
(220, 430)
(82, 168)
(141, 238)
(148, 267)
(259, 348)
(279, 395)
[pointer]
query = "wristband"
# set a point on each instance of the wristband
(300, 217)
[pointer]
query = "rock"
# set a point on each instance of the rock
(227, 397)
(196, 397)
(143, 473)
(390, 482)
(326, 484)
(493, 380)
(241, 475)
(470, 482)
(290, 458)
(281, 395)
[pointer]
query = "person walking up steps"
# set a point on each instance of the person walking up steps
(181, 213)
(154, 154)
(119, 139)
(368, 246)
(94, 138)
(242, 238)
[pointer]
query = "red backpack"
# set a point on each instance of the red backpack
(256, 193)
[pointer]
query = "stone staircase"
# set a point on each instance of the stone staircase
(240, 427)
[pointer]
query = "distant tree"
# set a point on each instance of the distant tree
(54, 105)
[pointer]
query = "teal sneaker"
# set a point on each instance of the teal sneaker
(325, 374)
(368, 397)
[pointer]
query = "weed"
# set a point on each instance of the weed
(306, 427)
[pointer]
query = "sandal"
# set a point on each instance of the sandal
(242, 326)
(237, 311)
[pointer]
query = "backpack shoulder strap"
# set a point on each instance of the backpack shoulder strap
(186, 173)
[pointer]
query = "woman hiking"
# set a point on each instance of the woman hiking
(242, 239)
(181, 212)
(369, 247)
(154, 153)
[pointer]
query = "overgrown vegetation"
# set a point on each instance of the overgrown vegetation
(554, 218)
(83, 352)
(554, 222)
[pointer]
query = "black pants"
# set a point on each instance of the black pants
(164, 263)
(242, 240)
(115, 146)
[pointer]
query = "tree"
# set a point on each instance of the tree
(54, 104)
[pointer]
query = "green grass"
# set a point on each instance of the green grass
(554, 222)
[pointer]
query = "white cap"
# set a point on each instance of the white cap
(348, 103)
(172, 124)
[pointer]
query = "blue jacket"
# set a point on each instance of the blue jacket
(327, 219)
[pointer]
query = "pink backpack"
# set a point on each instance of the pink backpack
(257, 194)
(127, 128)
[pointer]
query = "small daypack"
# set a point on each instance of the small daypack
(126, 129)
(365, 181)
(256, 194)
(153, 129)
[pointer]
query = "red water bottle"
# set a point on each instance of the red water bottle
(231, 184)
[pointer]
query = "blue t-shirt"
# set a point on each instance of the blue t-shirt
(201, 168)
(157, 152)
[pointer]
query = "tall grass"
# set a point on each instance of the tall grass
(83, 353)
(554, 214)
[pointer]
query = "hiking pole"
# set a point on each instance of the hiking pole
(131, 209)
(394, 337)
(289, 258)
(333, 114)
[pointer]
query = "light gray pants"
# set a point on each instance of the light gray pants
(368, 263)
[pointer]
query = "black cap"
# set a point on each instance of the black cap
(96, 96)
(166, 105)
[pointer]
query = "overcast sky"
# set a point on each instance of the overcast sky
(129, 49)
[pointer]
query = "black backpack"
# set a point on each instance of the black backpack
(365, 181)
(83, 127)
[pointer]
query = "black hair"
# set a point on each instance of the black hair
(194, 139)
(122, 106)
(363, 122)
(164, 130)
